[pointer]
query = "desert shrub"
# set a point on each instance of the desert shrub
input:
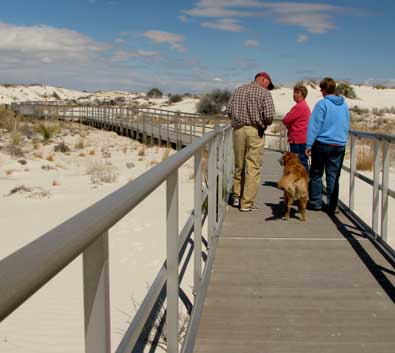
(378, 112)
(166, 154)
(7, 119)
(365, 158)
(141, 150)
(61, 147)
(174, 98)
(56, 96)
(154, 93)
(30, 192)
(207, 106)
(15, 138)
(213, 102)
(101, 172)
(344, 89)
(80, 144)
(44, 131)
(359, 110)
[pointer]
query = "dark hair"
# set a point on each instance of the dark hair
(301, 88)
(328, 85)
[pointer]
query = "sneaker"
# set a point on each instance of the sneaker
(312, 208)
(249, 209)
(236, 201)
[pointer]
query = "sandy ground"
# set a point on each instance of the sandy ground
(51, 321)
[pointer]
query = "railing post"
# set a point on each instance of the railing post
(384, 195)
(172, 262)
(212, 191)
(221, 173)
(197, 227)
(376, 191)
(353, 164)
(97, 296)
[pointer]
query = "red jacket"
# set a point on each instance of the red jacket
(297, 121)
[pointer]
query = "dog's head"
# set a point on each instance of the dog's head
(287, 157)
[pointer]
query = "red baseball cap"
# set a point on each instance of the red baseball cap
(266, 75)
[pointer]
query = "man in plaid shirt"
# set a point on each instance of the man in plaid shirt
(251, 110)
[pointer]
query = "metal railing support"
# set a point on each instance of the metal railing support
(197, 228)
(376, 191)
(384, 199)
(172, 262)
(97, 296)
(353, 165)
(212, 183)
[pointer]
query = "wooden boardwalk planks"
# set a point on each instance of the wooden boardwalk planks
(294, 287)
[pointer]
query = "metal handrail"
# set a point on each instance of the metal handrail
(28, 269)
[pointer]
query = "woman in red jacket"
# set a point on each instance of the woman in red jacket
(296, 121)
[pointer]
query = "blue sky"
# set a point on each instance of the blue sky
(193, 45)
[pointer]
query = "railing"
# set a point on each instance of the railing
(28, 269)
(382, 156)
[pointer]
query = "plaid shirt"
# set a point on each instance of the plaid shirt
(250, 105)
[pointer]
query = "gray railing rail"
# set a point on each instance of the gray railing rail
(31, 267)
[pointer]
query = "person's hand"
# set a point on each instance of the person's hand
(308, 152)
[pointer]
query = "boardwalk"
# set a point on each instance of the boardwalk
(294, 287)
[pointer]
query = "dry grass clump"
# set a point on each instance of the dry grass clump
(275, 128)
(7, 119)
(92, 152)
(50, 158)
(36, 143)
(153, 162)
(47, 167)
(38, 155)
(61, 147)
(80, 144)
(141, 150)
(166, 154)
(82, 154)
(30, 192)
(101, 172)
(9, 171)
(365, 157)
(15, 138)
(55, 182)
(124, 149)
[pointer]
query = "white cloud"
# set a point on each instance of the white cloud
(183, 18)
(174, 40)
(38, 42)
(251, 43)
(302, 38)
(124, 55)
(224, 24)
(313, 17)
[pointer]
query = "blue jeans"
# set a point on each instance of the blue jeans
(330, 159)
(299, 149)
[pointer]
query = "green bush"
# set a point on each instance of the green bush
(344, 89)
(154, 93)
(174, 98)
(213, 102)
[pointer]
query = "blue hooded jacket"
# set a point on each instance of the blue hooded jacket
(329, 122)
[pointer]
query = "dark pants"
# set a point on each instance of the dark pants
(299, 149)
(330, 159)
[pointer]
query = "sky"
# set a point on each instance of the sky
(193, 46)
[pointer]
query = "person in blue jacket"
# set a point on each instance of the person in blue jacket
(327, 134)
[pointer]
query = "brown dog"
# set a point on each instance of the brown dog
(294, 183)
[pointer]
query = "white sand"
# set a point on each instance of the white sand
(52, 320)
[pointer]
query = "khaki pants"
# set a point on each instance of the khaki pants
(248, 148)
